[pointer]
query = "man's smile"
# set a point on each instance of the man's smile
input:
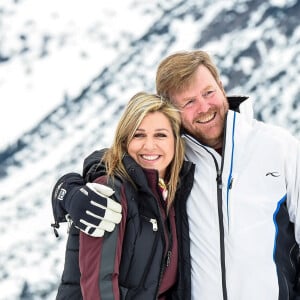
(206, 118)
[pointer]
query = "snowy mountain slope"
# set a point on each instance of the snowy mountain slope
(255, 44)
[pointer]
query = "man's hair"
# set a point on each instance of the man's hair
(175, 72)
(139, 106)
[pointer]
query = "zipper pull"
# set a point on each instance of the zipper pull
(233, 180)
(219, 180)
(69, 220)
(168, 258)
(55, 225)
(231, 183)
(154, 224)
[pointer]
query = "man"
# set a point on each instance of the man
(243, 217)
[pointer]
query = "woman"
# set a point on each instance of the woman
(145, 167)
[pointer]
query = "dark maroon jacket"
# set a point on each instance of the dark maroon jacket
(70, 288)
(139, 259)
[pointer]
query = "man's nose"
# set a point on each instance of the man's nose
(201, 105)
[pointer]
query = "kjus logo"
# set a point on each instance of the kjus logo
(273, 174)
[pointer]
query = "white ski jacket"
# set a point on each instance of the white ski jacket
(244, 213)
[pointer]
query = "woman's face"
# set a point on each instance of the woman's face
(153, 143)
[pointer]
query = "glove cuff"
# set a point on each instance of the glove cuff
(62, 194)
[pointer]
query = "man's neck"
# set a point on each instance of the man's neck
(219, 150)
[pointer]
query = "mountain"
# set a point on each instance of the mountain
(98, 60)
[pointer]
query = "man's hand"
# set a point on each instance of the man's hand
(88, 205)
(102, 213)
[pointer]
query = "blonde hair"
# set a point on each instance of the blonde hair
(137, 108)
(175, 73)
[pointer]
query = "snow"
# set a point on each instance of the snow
(67, 68)
(33, 82)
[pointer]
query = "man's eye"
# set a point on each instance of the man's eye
(208, 93)
(188, 103)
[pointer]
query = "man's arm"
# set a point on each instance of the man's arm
(89, 206)
(90, 169)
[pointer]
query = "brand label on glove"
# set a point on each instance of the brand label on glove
(61, 194)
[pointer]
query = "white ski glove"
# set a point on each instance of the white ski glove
(101, 218)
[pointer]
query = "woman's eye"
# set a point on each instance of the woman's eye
(161, 135)
(138, 135)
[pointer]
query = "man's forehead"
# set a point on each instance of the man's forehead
(192, 91)
(201, 80)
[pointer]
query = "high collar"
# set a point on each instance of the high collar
(139, 175)
(235, 102)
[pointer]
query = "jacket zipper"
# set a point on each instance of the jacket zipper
(221, 228)
(220, 210)
(220, 213)
(166, 259)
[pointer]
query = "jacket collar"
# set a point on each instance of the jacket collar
(235, 101)
(139, 175)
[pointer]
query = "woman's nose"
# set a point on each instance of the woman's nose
(149, 143)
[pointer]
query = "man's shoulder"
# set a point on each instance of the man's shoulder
(275, 132)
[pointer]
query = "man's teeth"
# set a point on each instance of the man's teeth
(206, 118)
(150, 157)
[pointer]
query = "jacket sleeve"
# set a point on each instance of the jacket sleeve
(68, 184)
(292, 169)
(91, 169)
(99, 262)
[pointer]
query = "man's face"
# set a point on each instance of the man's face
(203, 107)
